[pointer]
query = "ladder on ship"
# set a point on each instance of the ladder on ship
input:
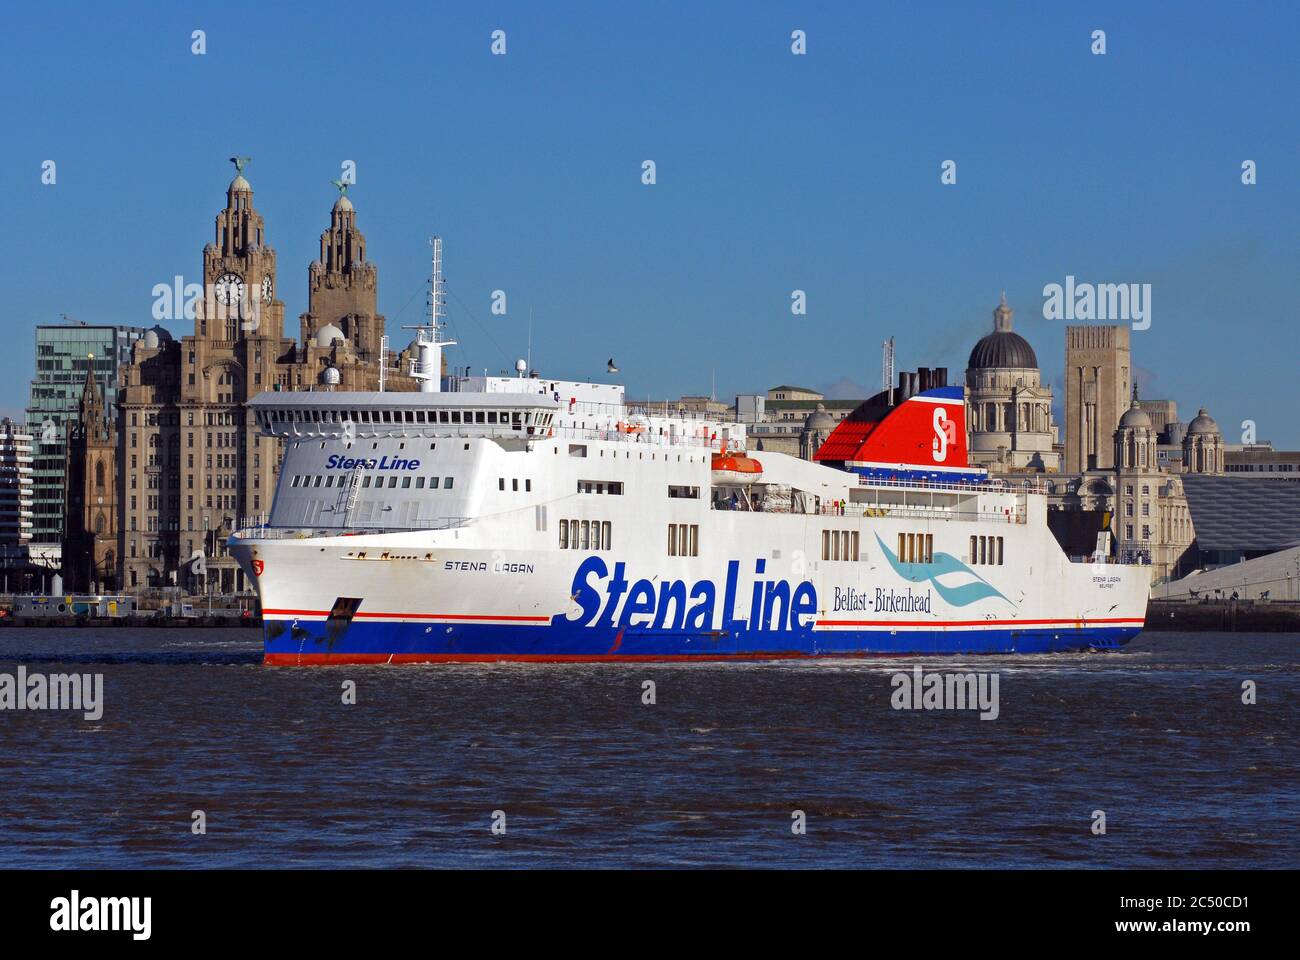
(353, 494)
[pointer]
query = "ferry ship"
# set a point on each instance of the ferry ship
(530, 519)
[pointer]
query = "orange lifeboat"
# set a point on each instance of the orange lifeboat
(736, 469)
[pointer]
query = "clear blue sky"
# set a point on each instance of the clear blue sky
(775, 172)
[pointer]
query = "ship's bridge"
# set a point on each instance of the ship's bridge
(348, 415)
(504, 409)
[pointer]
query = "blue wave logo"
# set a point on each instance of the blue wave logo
(944, 563)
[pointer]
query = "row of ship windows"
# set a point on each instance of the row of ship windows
(585, 534)
(916, 547)
(615, 487)
(987, 550)
(600, 486)
(840, 544)
(683, 540)
(510, 418)
(407, 482)
(580, 450)
(919, 548)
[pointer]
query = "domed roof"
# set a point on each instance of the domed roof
(239, 183)
(1203, 423)
(342, 203)
(327, 334)
(155, 336)
(1003, 348)
(819, 419)
(1135, 416)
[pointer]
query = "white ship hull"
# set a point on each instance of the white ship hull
(571, 540)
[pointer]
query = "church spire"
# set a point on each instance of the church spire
(92, 404)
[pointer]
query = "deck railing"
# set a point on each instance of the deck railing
(993, 486)
(299, 532)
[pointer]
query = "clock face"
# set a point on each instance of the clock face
(230, 288)
(268, 289)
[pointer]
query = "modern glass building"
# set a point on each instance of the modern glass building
(63, 351)
(15, 485)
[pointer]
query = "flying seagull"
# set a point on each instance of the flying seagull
(609, 366)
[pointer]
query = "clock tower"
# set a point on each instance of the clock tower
(239, 286)
(343, 286)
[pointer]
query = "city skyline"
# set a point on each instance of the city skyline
(775, 172)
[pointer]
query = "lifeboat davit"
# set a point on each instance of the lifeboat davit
(736, 469)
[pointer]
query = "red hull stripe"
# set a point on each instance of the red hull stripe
(821, 623)
(974, 623)
(409, 616)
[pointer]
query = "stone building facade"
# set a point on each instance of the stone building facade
(1152, 517)
(1098, 378)
(93, 495)
(1203, 446)
(193, 464)
(1009, 407)
(343, 286)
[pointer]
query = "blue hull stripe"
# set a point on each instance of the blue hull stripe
(285, 640)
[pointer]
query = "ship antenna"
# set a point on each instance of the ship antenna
(426, 366)
(887, 369)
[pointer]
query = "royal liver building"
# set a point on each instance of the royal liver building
(192, 463)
